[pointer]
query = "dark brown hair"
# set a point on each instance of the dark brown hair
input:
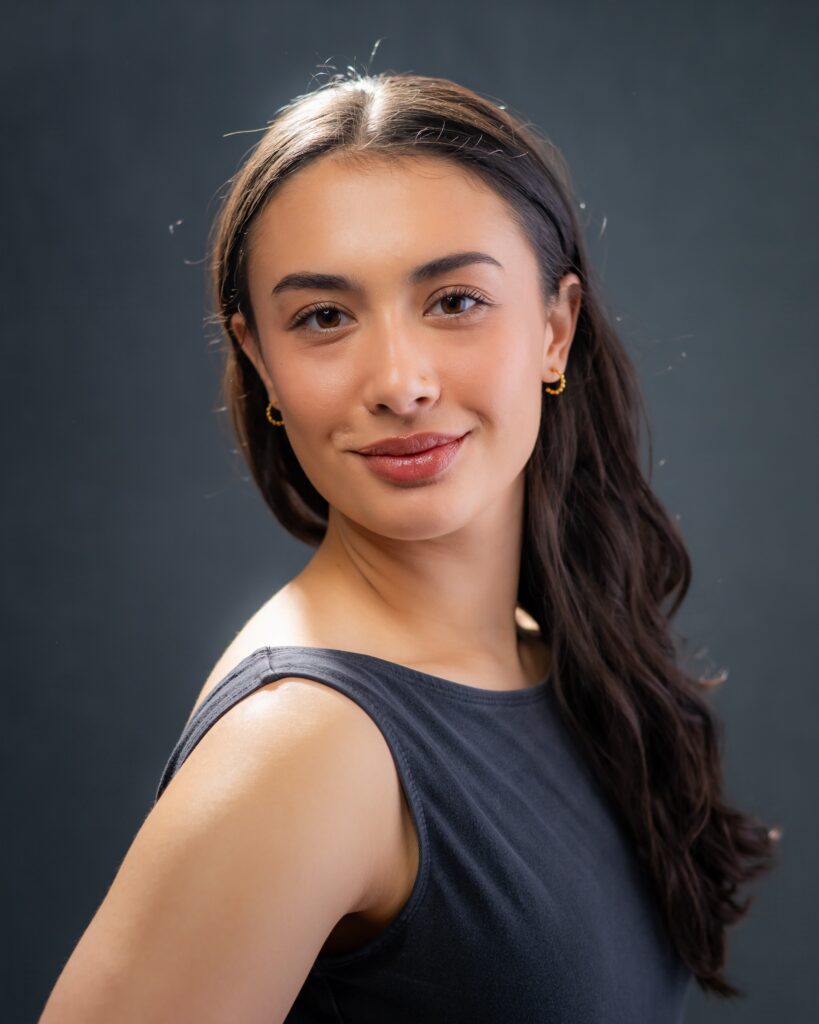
(603, 567)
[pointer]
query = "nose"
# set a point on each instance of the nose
(399, 377)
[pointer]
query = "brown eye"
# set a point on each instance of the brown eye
(452, 299)
(449, 300)
(326, 318)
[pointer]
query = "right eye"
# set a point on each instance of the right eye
(318, 309)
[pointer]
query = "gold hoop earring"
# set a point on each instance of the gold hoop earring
(556, 391)
(269, 415)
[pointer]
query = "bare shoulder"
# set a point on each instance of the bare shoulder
(270, 833)
(300, 726)
(299, 739)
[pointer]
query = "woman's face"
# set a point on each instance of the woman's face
(391, 350)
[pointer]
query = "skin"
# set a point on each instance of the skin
(424, 574)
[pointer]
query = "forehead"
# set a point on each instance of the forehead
(379, 212)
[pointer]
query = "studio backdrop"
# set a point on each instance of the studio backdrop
(134, 542)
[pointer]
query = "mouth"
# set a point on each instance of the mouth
(431, 456)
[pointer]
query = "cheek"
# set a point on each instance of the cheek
(316, 398)
(318, 415)
(508, 383)
(311, 421)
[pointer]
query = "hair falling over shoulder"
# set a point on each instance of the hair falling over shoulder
(604, 568)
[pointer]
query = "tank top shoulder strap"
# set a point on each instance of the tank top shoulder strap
(265, 665)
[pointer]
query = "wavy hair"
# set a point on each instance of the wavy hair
(603, 566)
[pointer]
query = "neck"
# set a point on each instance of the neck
(444, 601)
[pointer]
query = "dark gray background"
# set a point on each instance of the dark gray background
(134, 546)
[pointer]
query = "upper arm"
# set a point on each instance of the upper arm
(262, 841)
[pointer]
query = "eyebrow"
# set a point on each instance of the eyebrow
(337, 282)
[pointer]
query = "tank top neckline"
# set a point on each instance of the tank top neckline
(465, 690)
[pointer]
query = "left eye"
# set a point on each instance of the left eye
(457, 297)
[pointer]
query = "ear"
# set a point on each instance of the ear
(560, 327)
(249, 345)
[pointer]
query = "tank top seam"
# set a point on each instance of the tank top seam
(445, 687)
(458, 691)
(450, 688)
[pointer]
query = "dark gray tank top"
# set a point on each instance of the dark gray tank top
(529, 904)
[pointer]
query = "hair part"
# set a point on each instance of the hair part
(604, 568)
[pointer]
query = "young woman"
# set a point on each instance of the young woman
(452, 770)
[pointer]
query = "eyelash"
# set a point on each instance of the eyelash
(320, 307)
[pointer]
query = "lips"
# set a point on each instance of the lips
(408, 445)
(414, 468)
